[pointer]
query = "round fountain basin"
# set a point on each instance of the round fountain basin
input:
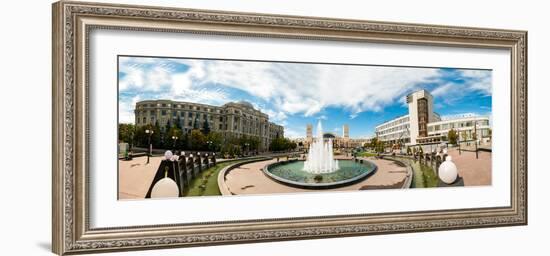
(291, 173)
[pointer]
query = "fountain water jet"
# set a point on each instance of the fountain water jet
(320, 157)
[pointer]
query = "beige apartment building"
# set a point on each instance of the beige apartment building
(233, 119)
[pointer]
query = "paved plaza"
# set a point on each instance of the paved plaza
(135, 176)
(475, 172)
(249, 179)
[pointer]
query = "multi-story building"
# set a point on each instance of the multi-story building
(397, 129)
(343, 141)
(467, 126)
(233, 119)
(423, 126)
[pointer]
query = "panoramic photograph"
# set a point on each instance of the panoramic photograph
(190, 127)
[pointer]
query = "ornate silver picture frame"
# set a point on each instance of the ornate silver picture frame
(73, 204)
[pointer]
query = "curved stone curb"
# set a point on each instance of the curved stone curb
(224, 190)
(304, 185)
(410, 173)
(408, 182)
(409, 178)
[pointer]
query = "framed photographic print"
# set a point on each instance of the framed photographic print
(178, 127)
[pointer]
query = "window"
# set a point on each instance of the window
(163, 112)
(144, 120)
(163, 105)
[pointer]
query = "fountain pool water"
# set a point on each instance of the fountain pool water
(320, 170)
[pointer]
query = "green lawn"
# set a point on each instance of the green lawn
(366, 154)
(206, 184)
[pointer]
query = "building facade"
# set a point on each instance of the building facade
(233, 119)
(343, 141)
(424, 126)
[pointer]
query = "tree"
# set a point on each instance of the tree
(167, 126)
(216, 140)
(206, 127)
(281, 144)
(175, 132)
(126, 133)
(186, 142)
(464, 135)
(380, 146)
(197, 140)
(178, 123)
(231, 147)
(156, 138)
(141, 138)
(373, 143)
(452, 135)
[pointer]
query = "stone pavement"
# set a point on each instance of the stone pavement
(135, 177)
(475, 172)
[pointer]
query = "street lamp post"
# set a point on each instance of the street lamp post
(475, 136)
(246, 147)
(209, 143)
(175, 138)
(149, 151)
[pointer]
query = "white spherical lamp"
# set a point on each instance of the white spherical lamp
(165, 187)
(448, 171)
(168, 155)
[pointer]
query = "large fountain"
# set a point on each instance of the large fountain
(320, 157)
(320, 169)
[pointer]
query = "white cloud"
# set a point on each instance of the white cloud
(442, 90)
(293, 133)
(290, 88)
(307, 89)
(480, 80)
(126, 109)
(278, 117)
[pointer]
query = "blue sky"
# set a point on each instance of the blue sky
(295, 94)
